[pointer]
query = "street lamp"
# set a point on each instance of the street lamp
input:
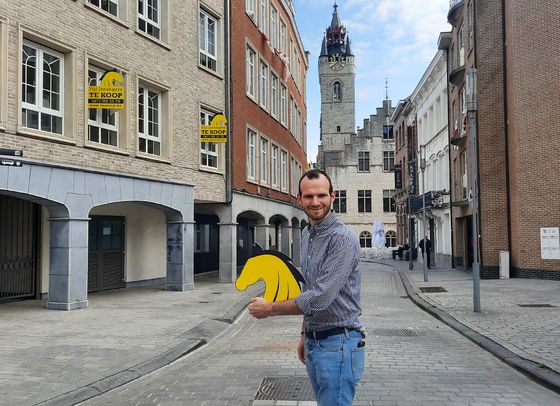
(424, 250)
(409, 219)
(472, 107)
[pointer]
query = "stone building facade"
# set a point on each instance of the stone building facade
(360, 163)
(106, 198)
(429, 102)
(516, 153)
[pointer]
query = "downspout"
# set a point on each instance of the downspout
(480, 239)
(450, 172)
(227, 82)
(506, 127)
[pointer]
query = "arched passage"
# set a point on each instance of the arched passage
(251, 229)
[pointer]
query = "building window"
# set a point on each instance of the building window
(207, 40)
(262, 16)
(149, 120)
(273, 27)
(337, 128)
(103, 124)
(274, 95)
(251, 153)
(337, 91)
(388, 161)
(251, 78)
(389, 201)
(364, 201)
(208, 150)
(390, 239)
(339, 204)
(110, 6)
(149, 17)
(464, 178)
(283, 101)
(284, 170)
(264, 160)
(42, 88)
(282, 41)
(274, 165)
(365, 239)
(250, 9)
(387, 132)
(363, 161)
(263, 85)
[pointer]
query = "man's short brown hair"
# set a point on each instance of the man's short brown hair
(315, 174)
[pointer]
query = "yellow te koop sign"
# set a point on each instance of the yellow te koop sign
(107, 95)
(216, 131)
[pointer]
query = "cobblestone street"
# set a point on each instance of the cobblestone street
(412, 359)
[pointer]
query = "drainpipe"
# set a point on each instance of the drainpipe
(506, 126)
(227, 82)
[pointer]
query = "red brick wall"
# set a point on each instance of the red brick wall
(246, 111)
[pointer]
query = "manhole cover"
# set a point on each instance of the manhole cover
(285, 388)
(432, 289)
(392, 332)
(536, 305)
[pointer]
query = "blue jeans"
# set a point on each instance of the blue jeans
(334, 366)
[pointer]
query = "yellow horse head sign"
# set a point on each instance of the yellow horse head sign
(216, 131)
(281, 278)
(107, 95)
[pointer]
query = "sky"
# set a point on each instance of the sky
(391, 39)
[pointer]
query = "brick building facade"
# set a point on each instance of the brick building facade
(516, 152)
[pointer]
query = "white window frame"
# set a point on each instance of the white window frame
(264, 163)
(251, 72)
(205, 24)
(98, 122)
(251, 154)
(38, 106)
(282, 35)
(250, 9)
(273, 26)
(274, 80)
(274, 158)
(98, 4)
(208, 150)
(263, 6)
(263, 84)
(143, 15)
(283, 101)
(284, 170)
(142, 132)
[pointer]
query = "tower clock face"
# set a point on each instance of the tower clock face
(336, 64)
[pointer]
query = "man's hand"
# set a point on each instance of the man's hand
(260, 308)
(301, 350)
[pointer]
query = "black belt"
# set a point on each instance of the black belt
(322, 334)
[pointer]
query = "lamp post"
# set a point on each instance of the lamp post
(472, 108)
(409, 218)
(423, 168)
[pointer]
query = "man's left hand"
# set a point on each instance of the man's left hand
(260, 308)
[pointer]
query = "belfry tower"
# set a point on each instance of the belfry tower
(337, 82)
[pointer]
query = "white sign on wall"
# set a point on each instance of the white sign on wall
(550, 243)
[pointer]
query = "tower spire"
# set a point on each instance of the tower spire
(386, 89)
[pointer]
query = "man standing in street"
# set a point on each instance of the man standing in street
(332, 339)
(426, 244)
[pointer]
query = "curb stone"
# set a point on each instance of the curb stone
(194, 338)
(538, 372)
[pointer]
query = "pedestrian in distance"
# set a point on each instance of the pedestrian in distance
(426, 244)
(332, 337)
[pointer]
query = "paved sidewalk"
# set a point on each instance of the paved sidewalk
(526, 337)
(53, 357)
